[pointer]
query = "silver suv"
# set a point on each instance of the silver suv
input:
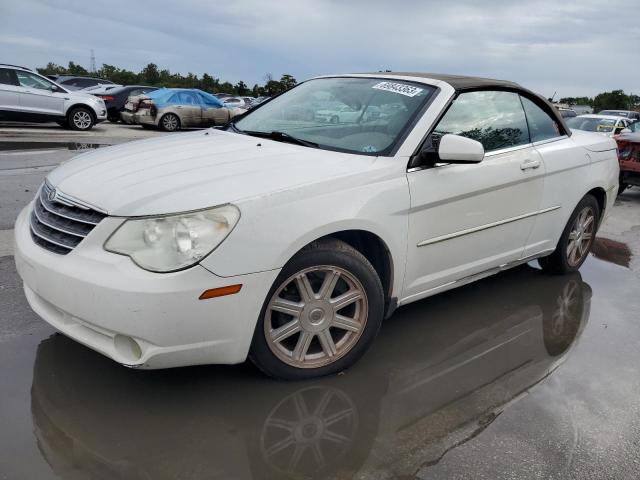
(26, 96)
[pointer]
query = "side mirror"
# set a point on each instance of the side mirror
(457, 149)
(626, 130)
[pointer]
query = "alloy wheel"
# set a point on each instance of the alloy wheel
(82, 120)
(316, 316)
(170, 122)
(581, 236)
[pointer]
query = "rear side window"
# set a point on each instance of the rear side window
(31, 80)
(541, 125)
(187, 98)
(494, 118)
(7, 77)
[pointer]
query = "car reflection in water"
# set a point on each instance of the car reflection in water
(441, 371)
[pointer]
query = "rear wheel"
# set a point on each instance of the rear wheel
(80, 118)
(576, 239)
(320, 316)
(170, 122)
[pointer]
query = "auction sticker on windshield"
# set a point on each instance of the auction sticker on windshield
(401, 88)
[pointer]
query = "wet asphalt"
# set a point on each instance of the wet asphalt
(517, 376)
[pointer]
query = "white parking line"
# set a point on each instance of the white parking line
(6, 243)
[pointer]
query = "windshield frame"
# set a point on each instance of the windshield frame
(393, 148)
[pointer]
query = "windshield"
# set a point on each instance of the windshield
(358, 115)
(591, 124)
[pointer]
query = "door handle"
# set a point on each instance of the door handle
(529, 165)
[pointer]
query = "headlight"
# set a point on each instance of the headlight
(170, 243)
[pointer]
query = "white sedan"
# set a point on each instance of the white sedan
(288, 241)
(608, 125)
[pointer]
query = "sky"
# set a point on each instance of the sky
(570, 47)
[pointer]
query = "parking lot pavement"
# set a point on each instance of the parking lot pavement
(518, 376)
(105, 132)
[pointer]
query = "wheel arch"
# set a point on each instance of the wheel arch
(92, 112)
(160, 116)
(374, 249)
(600, 195)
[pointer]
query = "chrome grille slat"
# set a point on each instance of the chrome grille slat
(41, 213)
(79, 214)
(39, 230)
(59, 225)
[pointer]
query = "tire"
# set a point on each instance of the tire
(169, 122)
(563, 261)
(113, 116)
(325, 347)
(80, 118)
(334, 120)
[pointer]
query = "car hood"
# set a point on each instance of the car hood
(194, 170)
(77, 94)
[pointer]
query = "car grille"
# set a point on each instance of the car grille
(59, 225)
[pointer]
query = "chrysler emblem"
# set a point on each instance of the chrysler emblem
(52, 195)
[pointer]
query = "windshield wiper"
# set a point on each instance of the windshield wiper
(281, 137)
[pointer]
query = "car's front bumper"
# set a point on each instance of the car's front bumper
(135, 317)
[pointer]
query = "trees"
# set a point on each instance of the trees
(242, 88)
(75, 69)
(287, 81)
(51, 69)
(150, 74)
(614, 100)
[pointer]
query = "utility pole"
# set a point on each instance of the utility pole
(93, 62)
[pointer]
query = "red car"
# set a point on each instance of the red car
(629, 156)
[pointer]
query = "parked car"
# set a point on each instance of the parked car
(235, 102)
(71, 82)
(342, 113)
(174, 108)
(633, 127)
(98, 89)
(630, 114)
(288, 243)
(629, 156)
(260, 100)
(608, 125)
(27, 96)
(567, 112)
(115, 98)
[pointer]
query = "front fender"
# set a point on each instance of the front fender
(274, 227)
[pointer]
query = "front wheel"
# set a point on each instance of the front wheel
(321, 315)
(80, 118)
(576, 239)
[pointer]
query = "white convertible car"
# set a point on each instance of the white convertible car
(288, 240)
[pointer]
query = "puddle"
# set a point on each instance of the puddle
(611, 251)
(426, 387)
(22, 146)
